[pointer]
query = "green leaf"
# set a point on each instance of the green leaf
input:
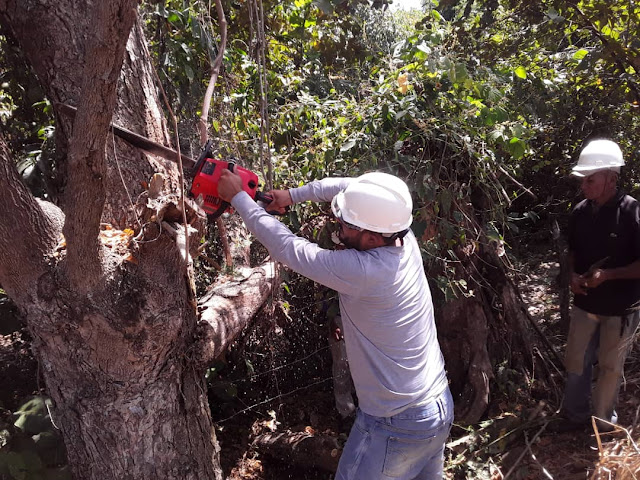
(521, 72)
(33, 417)
(517, 147)
(419, 227)
(424, 47)
(460, 73)
(554, 16)
(580, 54)
(250, 368)
(493, 233)
(188, 71)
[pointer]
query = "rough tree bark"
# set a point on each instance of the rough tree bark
(486, 329)
(113, 317)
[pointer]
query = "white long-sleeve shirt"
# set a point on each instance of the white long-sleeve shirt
(385, 303)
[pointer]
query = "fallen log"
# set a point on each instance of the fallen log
(301, 449)
(227, 308)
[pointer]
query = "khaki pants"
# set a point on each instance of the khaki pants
(616, 337)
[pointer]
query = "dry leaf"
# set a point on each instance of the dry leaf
(403, 85)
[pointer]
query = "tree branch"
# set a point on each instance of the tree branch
(85, 194)
(215, 71)
(29, 232)
(227, 308)
(206, 105)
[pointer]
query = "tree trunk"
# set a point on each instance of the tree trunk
(478, 333)
(113, 318)
(463, 339)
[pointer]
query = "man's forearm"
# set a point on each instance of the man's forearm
(319, 191)
(628, 272)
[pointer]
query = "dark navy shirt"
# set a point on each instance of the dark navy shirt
(611, 232)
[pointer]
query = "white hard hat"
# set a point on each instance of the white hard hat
(377, 202)
(598, 155)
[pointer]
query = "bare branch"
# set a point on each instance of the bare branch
(29, 232)
(215, 71)
(508, 175)
(87, 169)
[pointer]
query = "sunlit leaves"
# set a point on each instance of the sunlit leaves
(517, 147)
(580, 54)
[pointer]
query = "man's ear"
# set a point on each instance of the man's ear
(373, 240)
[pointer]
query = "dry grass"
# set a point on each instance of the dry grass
(619, 457)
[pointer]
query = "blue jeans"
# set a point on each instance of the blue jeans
(407, 446)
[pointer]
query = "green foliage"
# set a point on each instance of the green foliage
(32, 448)
(33, 416)
(581, 61)
(26, 119)
(467, 102)
(425, 113)
(347, 94)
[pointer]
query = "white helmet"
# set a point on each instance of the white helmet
(377, 202)
(598, 155)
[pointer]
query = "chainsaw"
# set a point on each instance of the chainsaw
(204, 186)
(204, 172)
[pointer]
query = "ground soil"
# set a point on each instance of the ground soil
(250, 396)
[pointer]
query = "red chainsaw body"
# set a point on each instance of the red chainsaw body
(205, 182)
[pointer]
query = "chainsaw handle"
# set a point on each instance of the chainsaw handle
(263, 197)
(267, 199)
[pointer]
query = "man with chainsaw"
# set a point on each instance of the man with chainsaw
(405, 408)
(604, 261)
